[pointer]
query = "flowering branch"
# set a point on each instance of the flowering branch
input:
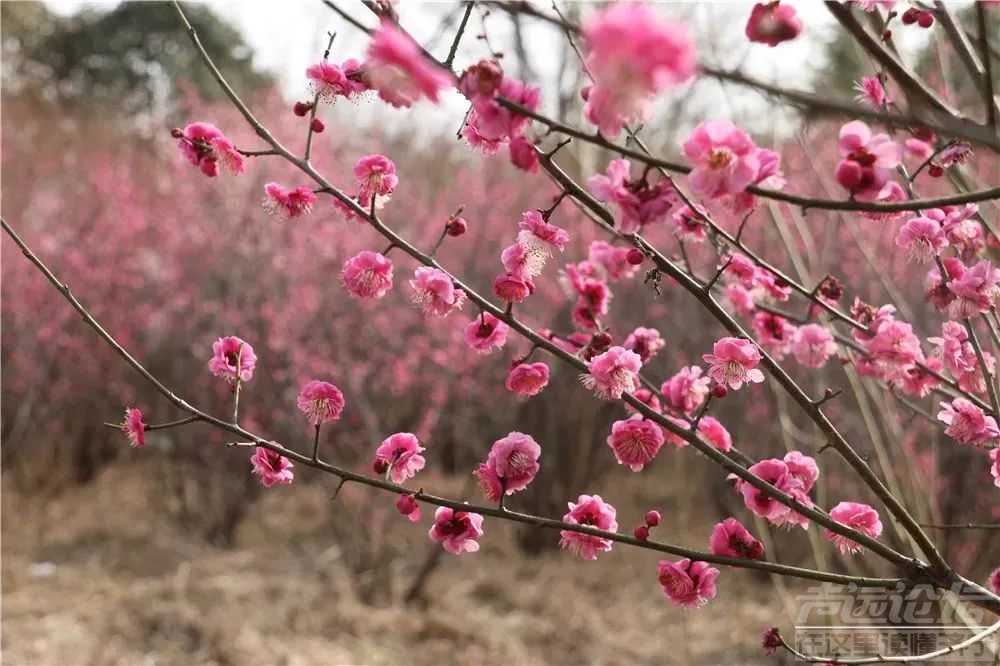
(346, 475)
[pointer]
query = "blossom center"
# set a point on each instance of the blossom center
(720, 158)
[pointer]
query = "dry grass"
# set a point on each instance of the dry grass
(124, 585)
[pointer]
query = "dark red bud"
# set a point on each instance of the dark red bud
(719, 391)
(641, 533)
(302, 108)
(380, 467)
(935, 171)
(601, 340)
(910, 16)
(456, 227)
(634, 257)
(177, 133)
(886, 35)
(652, 518)
(317, 125)
(925, 19)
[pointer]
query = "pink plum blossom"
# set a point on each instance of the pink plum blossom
(922, 238)
(492, 121)
(731, 539)
(871, 92)
(610, 261)
(594, 512)
(635, 442)
(537, 233)
(761, 503)
(523, 154)
(774, 333)
(524, 261)
(272, 467)
(376, 176)
(967, 423)
(486, 333)
(328, 80)
(613, 373)
(511, 465)
(772, 23)
(399, 456)
(690, 224)
(688, 584)
(512, 288)
(860, 517)
(133, 428)
(995, 466)
(646, 342)
(207, 148)
(725, 159)
(803, 468)
(632, 54)
(974, 290)
(713, 432)
(733, 362)
(367, 274)
(457, 531)
(686, 390)
(528, 378)
(321, 402)
(232, 358)
(283, 204)
(398, 70)
(867, 158)
(813, 345)
(434, 292)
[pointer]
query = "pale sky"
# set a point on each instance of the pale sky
(288, 35)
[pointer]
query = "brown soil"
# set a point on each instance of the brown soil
(100, 575)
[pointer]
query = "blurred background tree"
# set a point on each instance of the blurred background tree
(132, 58)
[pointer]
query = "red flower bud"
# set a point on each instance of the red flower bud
(601, 341)
(925, 19)
(317, 125)
(641, 533)
(177, 132)
(910, 16)
(935, 171)
(719, 391)
(380, 467)
(634, 257)
(406, 504)
(652, 518)
(302, 108)
(456, 227)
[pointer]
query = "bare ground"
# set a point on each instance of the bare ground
(99, 575)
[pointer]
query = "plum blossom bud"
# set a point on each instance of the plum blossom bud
(317, 125)
(719, 391)
(177, 132)
(771, 640)
(456, 227)
(634, 257)
(408, 506)
(653, 518)
(772, 23)
(301, 108)
(641, 533)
